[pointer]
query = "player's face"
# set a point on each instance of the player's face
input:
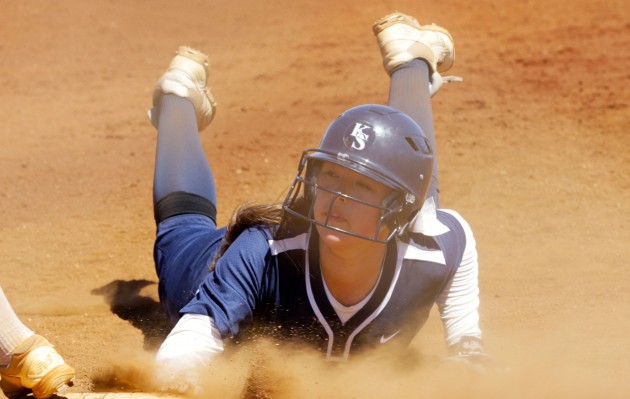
(344, 213)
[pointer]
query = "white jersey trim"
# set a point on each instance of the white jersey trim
(383, 303)
(415, 253)
(289, 244)
(320, 316)
(367, 320)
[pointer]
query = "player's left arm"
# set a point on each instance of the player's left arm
(458, 303)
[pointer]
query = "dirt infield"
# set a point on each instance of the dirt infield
(534, 152)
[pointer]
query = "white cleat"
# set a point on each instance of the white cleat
(36, 368)
(186, 77)
(401, 39)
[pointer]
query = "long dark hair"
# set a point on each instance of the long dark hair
(244, 217)
(248, 214)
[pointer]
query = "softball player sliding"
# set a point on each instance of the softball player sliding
(359, 251)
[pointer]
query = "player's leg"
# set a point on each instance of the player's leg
(182, 107)
(184, 191)
(409, 92)
(413, 55)
(12, 330)
(183, 180)
(28, 362)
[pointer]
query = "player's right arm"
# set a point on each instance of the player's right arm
(222, 306)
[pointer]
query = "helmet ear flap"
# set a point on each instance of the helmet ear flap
(405, 204)
(395, 200)
(392, 198)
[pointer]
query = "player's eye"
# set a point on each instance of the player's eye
(331, 174)
(365, 186)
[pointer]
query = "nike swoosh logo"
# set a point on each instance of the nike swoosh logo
(384, 339)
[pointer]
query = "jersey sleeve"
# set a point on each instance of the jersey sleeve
(458, 303)
(243, 276)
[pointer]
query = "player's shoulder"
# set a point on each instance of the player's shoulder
(251, 240)
(258, 233)
(450, 214)
(454, 221)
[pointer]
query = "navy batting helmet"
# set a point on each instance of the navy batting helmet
(381, 143)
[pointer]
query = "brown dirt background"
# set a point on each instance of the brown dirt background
(534, 152)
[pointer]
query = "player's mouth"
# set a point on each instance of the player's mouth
(335, 217)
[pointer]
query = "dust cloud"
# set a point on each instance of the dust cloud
(264, 370)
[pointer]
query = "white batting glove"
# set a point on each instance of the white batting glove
(186, 354)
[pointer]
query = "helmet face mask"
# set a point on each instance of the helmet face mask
(306, 188)
(380, 143)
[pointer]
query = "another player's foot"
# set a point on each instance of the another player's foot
(401, 39)
(36, 367)
(186, 77)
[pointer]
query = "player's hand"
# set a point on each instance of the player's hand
(478, 362)
(186, 354)
(469, 351)
(176, 377)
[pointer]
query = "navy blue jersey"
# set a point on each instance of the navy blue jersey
(274, 287)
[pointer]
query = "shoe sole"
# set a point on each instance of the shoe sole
(397, 18)
(393, 19)
(195, 55)
(201, 59)
(57, 380)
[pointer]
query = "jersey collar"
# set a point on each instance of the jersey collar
(426, 221)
